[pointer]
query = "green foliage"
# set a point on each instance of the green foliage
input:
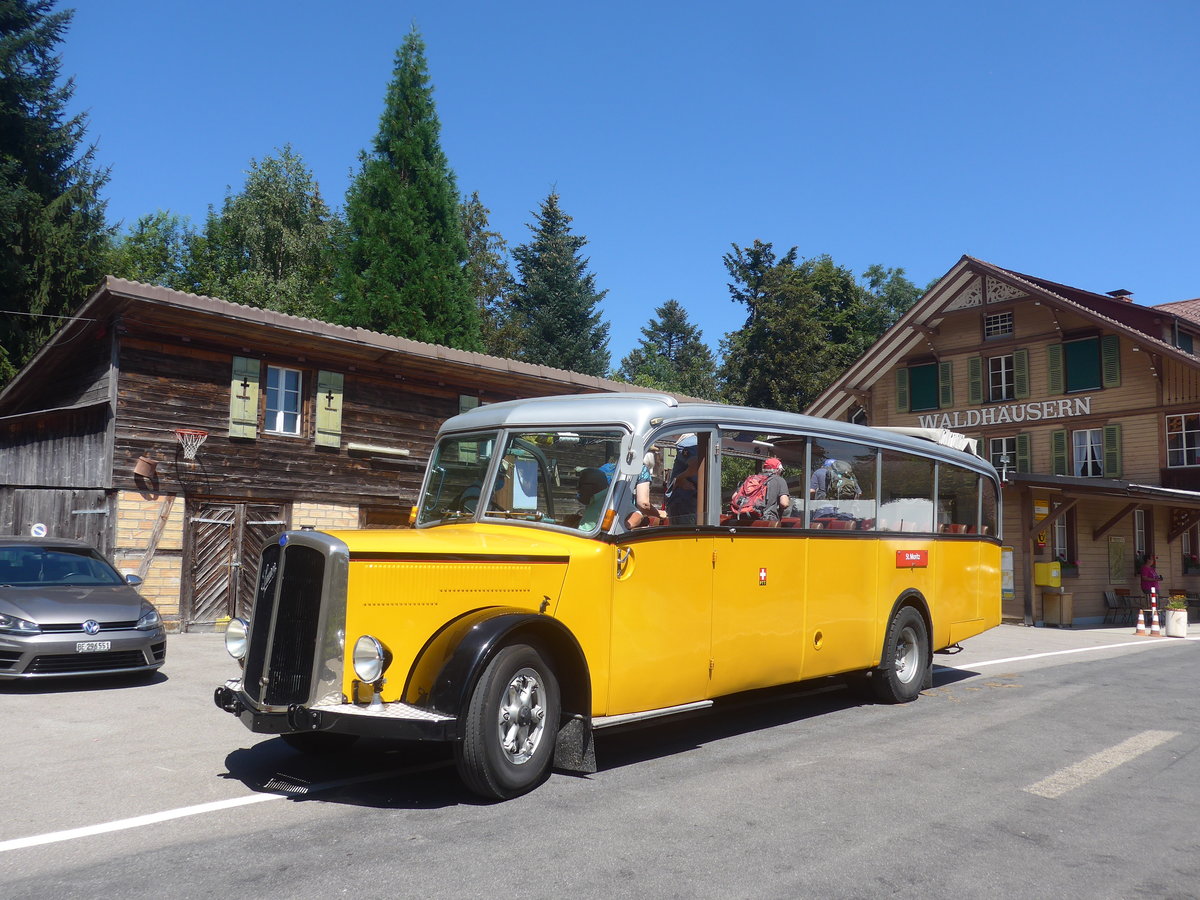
(489, 280)
(53, 241)
(403, 269)
(672, 356)
(555, 299)
(156, 250)
(807, 321)
(273, 245)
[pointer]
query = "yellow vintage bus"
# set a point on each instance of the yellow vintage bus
(575, 564)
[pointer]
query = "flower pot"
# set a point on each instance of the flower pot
(145, 467)
(1176, 623)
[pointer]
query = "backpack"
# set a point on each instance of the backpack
(751, 497)
(840, 483)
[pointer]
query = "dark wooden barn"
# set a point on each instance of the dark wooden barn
(307, 424)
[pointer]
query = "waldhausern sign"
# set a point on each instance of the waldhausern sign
(1009, 414)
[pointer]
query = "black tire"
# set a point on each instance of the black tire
(511, 723)
(905, 660)
(319, 743)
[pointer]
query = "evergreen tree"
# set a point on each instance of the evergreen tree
(490, 280)
(156, 250)
(403, 270)
(53, 241)
(555, 299)
(672, 356)
(273, 245)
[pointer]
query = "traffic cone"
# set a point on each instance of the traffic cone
(1141, 625)
(1155, 631)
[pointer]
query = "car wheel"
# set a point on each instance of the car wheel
(905, 658)
(511, 725)
(319, 743)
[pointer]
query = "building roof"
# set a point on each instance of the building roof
(961, 288)
(236, 324)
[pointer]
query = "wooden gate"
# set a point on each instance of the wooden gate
(224, 542)
(84, 515)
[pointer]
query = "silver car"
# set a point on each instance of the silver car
(65, 611)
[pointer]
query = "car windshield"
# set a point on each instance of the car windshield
(24, 566)
(559, 477)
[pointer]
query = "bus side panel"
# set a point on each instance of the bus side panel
(898, 577)
(842, 601)
(955, 600)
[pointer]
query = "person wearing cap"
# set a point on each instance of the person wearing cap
(591, 491)
(683, 489)
(777, 499)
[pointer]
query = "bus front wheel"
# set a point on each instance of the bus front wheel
(511, 725)
(905, 658)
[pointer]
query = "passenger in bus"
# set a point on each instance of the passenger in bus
(644, 508)
(683, 489)
(772, 494)
(591, 490)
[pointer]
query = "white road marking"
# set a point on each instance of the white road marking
(1099, 763)
(1011, 659)
(289, 789)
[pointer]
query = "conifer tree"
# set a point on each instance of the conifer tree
(54, 244)
(555, 299)
(489, 279)
(403, 269)
(672, 356)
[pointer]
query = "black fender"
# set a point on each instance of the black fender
(914, 598)
(454, 659)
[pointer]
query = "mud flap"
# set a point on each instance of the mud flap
(573, 749)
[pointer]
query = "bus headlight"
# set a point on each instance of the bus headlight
(371, 659)
(237, 638)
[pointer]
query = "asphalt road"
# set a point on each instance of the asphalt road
(1041, 764)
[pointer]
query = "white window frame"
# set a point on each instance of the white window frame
(1139, 532)
(1087, 453)
(996, 325)
(1000, 445)
(285, 388)
(1183, 443)
(1002, 377)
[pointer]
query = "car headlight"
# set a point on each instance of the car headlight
(371, 659)
(237, 638)
(16, 625)
(149, 619)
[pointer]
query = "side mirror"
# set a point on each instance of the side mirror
(132, 579)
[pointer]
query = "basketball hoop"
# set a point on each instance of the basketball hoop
(190, 439)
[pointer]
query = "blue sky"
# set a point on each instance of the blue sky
(1059, 139)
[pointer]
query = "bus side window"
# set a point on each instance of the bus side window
(958, 492)
(842, 486)
(906, 495)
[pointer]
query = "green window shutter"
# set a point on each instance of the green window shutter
(1054, 365)
(329, 408)
(945, 384)
(1059, 464)
(1022, 463)
(1020, 374)
(1112, 451)
(243, 397)
(902, 390)
(1110, 360)
(975, 379)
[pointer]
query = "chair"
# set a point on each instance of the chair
(1112, 607)
(765, 523)
(1127, 604)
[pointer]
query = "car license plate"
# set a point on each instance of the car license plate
(92, 646)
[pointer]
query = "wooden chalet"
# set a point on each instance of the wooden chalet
(307, 424)
(1089, 406)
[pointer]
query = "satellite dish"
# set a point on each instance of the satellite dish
(37, 529)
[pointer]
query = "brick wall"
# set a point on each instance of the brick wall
(149, 542)
(324, 516)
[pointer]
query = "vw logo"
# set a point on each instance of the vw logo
(91, 626)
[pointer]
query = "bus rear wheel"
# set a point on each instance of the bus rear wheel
(511, 725)
(905, 658)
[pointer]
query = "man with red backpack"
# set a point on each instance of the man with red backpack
(763, 495)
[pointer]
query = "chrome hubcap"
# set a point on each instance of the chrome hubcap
(908, 661)
(522, 717)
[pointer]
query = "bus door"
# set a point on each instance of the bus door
(662, 601)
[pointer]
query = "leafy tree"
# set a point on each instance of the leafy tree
(53, 241)
(672, 356)
(274, 244)
(490, 280)
(555, 299)
(156, 250)
(807, 321)
(403, 270)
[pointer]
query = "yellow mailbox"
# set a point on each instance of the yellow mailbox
(1047, 574)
